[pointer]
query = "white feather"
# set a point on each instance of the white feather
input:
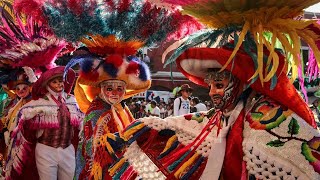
(29, 72)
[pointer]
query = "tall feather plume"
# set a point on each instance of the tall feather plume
(128, 20)
(26, 43)
(114, 26)
(29, 72)
(258, 17)
(31, 44)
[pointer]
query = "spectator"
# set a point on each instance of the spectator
(169, 110)
(155, 109)
(199, 106)
(192, 106)
(182, 103)
(162, 110)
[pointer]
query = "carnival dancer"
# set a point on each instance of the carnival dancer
(48, 124)
(20, 93)
(29, 44)
(260, 127)
(113, 31)
(22, 90)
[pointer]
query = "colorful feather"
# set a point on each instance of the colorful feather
(31, 44)
(127, 20)
(256, 18)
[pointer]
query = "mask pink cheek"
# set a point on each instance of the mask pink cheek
(119, 93)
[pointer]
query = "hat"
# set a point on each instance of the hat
(195, 62)
(252, 56)
(94, 71)
(185, 87)
(39, 88)
(114, 40)
(17, 76)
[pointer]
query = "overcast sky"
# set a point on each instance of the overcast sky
(314, 8)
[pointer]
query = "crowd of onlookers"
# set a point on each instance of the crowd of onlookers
(143, 108)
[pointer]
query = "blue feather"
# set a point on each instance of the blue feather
(110, 69)
(144, 72)
(77, 60)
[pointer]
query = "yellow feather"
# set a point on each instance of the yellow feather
(273, 56)
(241, 38)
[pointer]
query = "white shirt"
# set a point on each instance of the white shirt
(184, 108)
(201, 107)
(156, 111)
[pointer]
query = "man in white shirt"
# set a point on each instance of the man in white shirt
(181, 104)
(155, 109)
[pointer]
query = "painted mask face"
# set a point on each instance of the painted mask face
(22, 90)
(224, 88)
(56, 84)
(113, 91)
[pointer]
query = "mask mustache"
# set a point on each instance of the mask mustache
(114, 96)
(217, 96)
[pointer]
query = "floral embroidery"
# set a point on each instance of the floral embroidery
(267, 114)
(311, 151)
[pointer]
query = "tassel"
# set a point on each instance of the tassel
(137, 135)
(169, 149)
(112, 170)
(193, 169)
(176, 163)
(121, 171)
(133, 130)
(198, 140)
(185, 165)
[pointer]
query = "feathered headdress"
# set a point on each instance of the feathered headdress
(29, 44)
(113, 31)
(251, 20)
(25, 46)
(247, 31)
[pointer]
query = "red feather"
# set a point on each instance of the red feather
(76, 6)
(132, 68)
(114, 59)
(31, 7)
(91, 75)
(124, 6)
(41, 58)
